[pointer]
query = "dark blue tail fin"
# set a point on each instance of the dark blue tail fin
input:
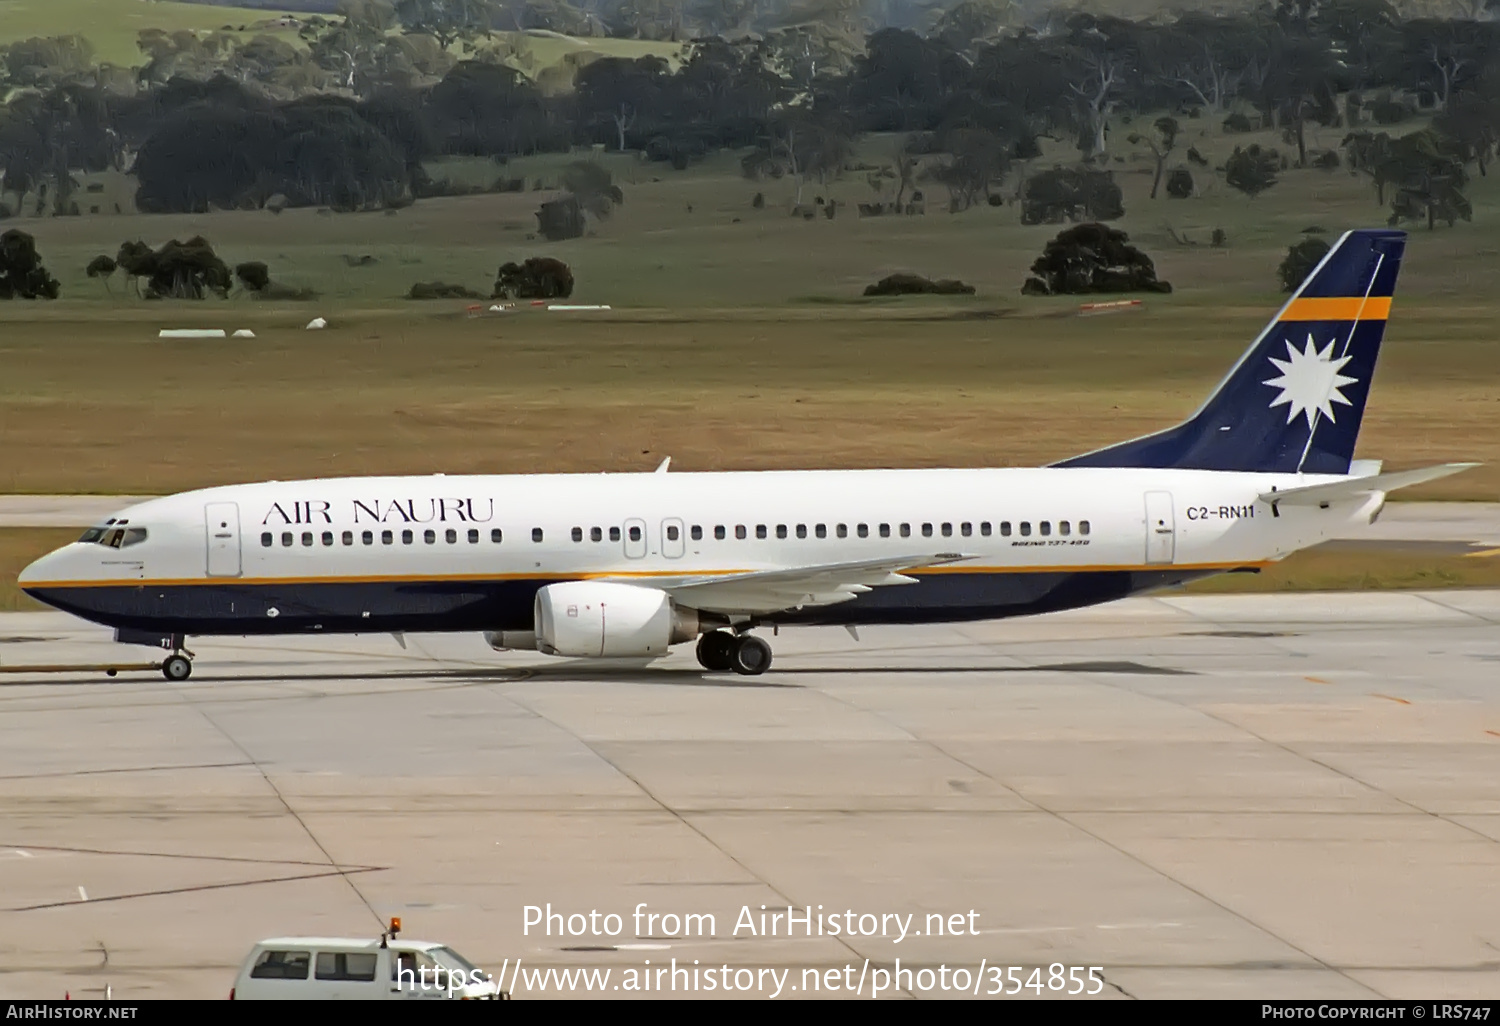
(1294, 401)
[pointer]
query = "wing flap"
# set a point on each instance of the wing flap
(1358, 487)
(770, 591)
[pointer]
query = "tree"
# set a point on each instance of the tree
(1252, 170)
(1180, 183)
(101, 267)
(537, 278)
(448, 21)
(618, 91)
(1068, 194)
(1092, 258)
(968, 24)
(560, 219)
(22, 275)
(593, 187)
(802, 145)
(1160, 144)
(1299, 263)
(976, 160)
(253, 275)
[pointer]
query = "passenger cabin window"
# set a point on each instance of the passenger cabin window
(327, 537)
(966, 529)
(760, 530)
(595, 534)
(842, 531)
(801, 530)
(906, 530)
(1045, 527)
(1025, 528)
(495, 535)
(926, 530)
(697, 533)
(719, 532)
(984, 528)
(429, 536)
(265, 540)
(1083, 527)
(357, 966)
(406, 538)
(947, 530)
(673, 533)
(286, 539)
(885, 530)
(281, 965)
(450, 536)
(368, 538)
(386, 537)
(1063, 527)
(635, 534)
(740, 532)
(781, 530)
(614, 534)
(473, 536)
(348, 537)
(863, 530)
(578, 534)
(307, 538)
(1005, 528)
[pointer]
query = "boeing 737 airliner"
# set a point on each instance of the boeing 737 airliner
(603, 565)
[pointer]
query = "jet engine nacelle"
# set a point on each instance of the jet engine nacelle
(596, 618)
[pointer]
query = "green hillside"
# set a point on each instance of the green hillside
(112, 27)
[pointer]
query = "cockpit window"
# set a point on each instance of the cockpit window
(114, 534)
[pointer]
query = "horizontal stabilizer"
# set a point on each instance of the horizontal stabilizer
(1358, 487)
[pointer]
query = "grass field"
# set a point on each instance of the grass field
(739, 339)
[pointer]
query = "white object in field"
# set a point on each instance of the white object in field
(556, 306)
(1090, 309)
(191, 333)
(316, 322)
(244, 333)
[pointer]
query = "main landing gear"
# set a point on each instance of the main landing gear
(742, 653)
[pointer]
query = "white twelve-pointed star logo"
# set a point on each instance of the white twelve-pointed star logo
(1310, 381)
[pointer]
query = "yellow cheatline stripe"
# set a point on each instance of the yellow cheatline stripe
(647, 574)
(1342, 308)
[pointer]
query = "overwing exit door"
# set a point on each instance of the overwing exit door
(1161, 528)
(635, 538)
(221, 524)
(672, 542)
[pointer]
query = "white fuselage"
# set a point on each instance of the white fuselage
(469, 552)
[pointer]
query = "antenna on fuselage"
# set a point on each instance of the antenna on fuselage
(664, 465)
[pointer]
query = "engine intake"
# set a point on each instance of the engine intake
(596, 619)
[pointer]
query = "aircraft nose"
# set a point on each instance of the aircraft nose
(43, 569)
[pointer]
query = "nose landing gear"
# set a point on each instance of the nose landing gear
(179, 665)
(743, 653)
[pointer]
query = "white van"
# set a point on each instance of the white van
(351, 969)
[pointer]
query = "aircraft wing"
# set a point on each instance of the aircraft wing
(770, 591)
(1359, 487)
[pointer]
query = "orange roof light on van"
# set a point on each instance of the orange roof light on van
(395, 925)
